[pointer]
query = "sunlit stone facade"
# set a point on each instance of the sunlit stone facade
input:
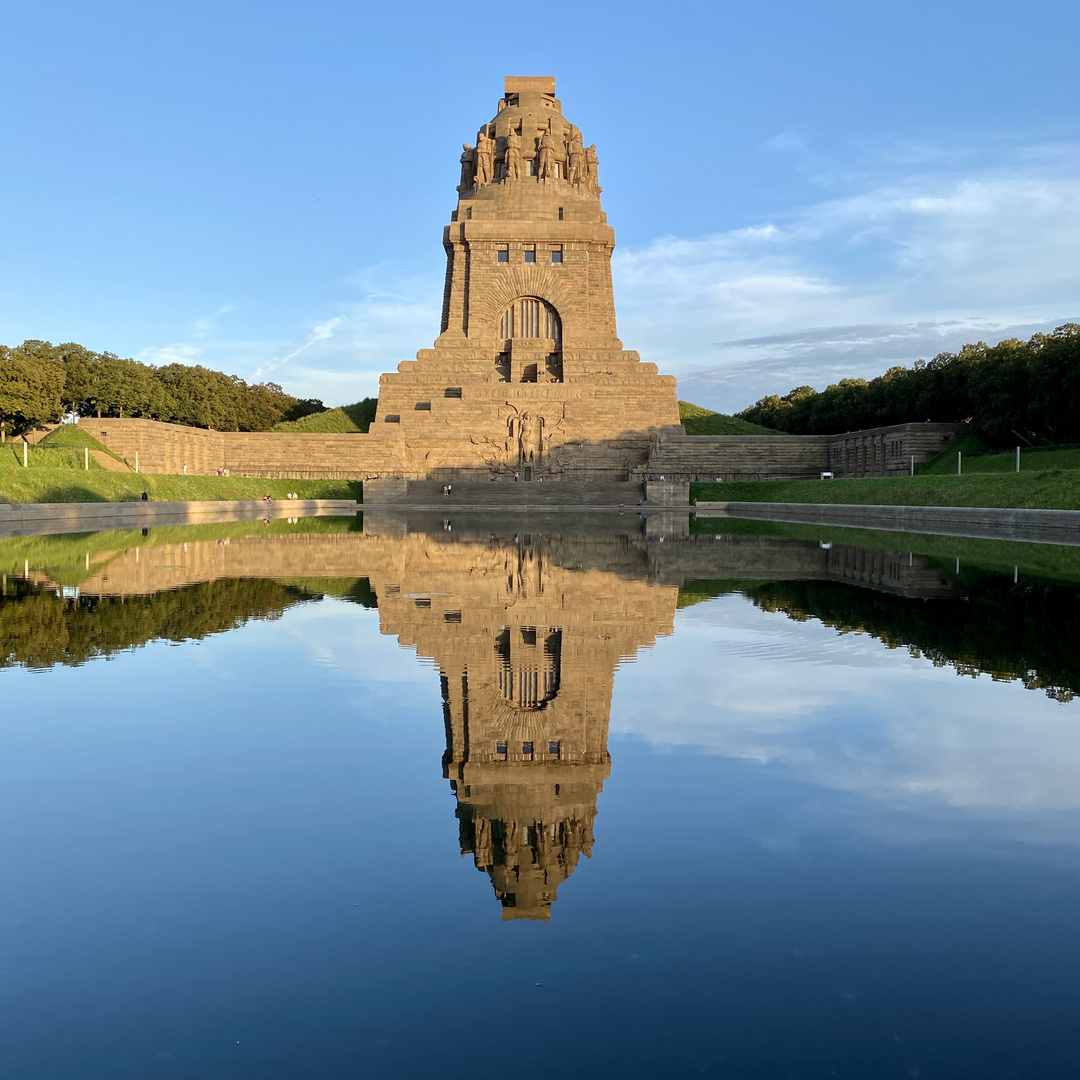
(528, 374)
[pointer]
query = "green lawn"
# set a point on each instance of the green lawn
(1032, 459)
(70, 484)
(45, 456)
(1045, 489)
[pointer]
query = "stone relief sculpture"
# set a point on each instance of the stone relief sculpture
(524, 436)
(485, 159)
(512, 158)
(468, 166)
(527, 427)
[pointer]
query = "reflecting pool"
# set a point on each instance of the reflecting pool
(568, 796)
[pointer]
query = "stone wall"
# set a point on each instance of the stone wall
(738, 457)
(172, 448)
(887, 451)
(883, 451)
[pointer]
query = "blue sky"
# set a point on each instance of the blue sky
(799, 191)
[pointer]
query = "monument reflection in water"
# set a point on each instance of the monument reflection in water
(527, 651)
(526, 629)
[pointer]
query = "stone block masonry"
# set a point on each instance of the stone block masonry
(882, 451)
(172, 448)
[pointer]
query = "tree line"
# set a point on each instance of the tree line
(40, 382)
(40, 628)
(1030, 388)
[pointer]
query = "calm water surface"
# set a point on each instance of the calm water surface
(536, 797)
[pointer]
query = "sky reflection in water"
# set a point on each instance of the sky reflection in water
(814, 855)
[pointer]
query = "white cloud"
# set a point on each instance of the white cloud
(849, 286)
(322, 332)
(179, 352)
(848, 714)
(341, 357)
(202, 326)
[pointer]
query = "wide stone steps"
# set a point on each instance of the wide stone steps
(508, 493)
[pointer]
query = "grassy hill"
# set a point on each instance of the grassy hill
(73, 437)
(699, 421)
(345, 419)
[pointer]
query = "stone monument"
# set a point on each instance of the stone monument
(528, 375)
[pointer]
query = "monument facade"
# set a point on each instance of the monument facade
(528, 374)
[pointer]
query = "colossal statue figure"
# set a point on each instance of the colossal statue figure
(512, 161)
(549, 169)
(575, 167)
(592, 164)
(485, 159)
(468, 167)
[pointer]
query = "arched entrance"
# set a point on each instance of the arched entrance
(529, 336)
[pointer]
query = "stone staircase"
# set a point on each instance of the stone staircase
(506, 493)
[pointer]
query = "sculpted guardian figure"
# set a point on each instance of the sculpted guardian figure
(592, 163)
(512, 160)
(575, 169)
(485, 159)
(548, 146)
(468, 166)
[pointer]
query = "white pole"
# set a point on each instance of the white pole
(136, 460)
(25, 450)
(1018, 459)
(959, 463)
(912, 464)
(86, 458)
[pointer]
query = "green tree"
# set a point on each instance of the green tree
(31, 388)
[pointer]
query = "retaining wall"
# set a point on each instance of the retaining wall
(883, 451)
(172, 448)
(985, 523)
